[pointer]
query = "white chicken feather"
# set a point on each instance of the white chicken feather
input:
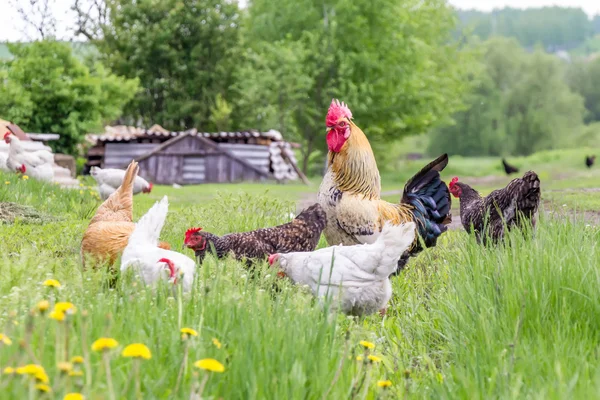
(110, 179)
(358, 274)
(151, 262)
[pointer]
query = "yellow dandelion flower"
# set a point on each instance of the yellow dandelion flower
(384, 384)
(216, 342)
(52, 283)
(77, 360)
(42, 306)
(359, 358)
(210, 364)
(65, 307)
(75, 373)
(7, 182)
(104, 344)
(41, 376)
(43, 388)
(64, 366)
(30, 369)
(81, 192)
(81, 185)
(8, 371)
(374, 359)
(25, 177)
(367, 345)
(5, 339)
(188, 332)
(137, 350)
(74, 396)
(56, 315)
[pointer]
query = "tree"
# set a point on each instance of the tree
(584, 78)
(521, 104)
(182, 52)
(389, 60)
(45, 89)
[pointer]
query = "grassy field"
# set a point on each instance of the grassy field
(513, 321)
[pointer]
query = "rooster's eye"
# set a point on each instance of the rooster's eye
(342, 124)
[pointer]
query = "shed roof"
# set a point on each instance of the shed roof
(120, 133)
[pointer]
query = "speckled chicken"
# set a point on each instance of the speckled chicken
(301, 234)
(506, 208)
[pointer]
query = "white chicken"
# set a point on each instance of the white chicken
(3, 158)
(150, 261)
(111, 178)
(37, 164)
(358, 274)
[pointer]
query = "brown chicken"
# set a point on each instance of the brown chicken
(301, 234)
(503, 209)
(110, 228)
(350, 192)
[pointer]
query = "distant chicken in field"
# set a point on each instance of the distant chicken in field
(3, 166)
(513, 206)
(110, 228)
(589, 161)
(350, 192)
(358, 274)
(509, 169)
(151, 262)
(110, 179)
(36, 164)
(301, 234)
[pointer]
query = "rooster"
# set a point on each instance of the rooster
(37, 164)
(359, 274)
(150, 261)
(506, 208)
(509, 169)
(111, 226)
(301, 234)
(109, 180)
(350, 192)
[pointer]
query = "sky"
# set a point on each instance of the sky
(13, 27)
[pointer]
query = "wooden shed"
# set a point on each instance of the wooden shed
(193, 157)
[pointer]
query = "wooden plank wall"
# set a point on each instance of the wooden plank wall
(189, 161)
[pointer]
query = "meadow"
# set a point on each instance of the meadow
(518, 320)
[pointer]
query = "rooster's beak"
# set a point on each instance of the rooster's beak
(328, 129)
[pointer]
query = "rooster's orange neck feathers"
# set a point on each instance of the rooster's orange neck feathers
(354, 167)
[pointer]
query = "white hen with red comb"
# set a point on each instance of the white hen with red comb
(355, 277)
(36, 164)
(150, 261)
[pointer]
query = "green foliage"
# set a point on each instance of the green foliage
(553, 27)
(521, 104)
(584, 78)
(45, 89)
(389, 60)
(181, 52)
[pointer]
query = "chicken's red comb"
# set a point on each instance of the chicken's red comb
(190, 232)
(336, 111)
(7, 134)
(453, 182)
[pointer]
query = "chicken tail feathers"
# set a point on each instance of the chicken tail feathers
(148, 228)
(430, 200)
(314, 214)
(119, 205)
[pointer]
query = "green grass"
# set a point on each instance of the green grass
(512, 321)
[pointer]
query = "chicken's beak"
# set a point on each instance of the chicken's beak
(328, 129)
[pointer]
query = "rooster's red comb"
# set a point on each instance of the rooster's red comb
(336, 111)
(453, 182)
(7, 134)
(190, 232)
